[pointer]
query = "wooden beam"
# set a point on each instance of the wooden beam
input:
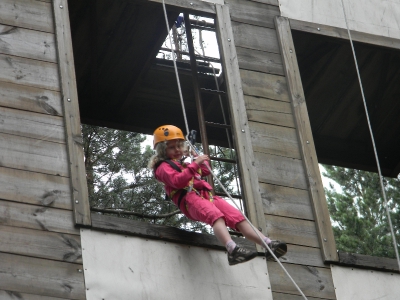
(293, 231)
(276, 140)
(25, 71)
(24, 274)
(25, 153)
(264, 85)
(40, 244)
(255, 37)
(29, 14)
(10, 295)
(29, 98)
(271, 2)
(306, 142)
(287, 171)
(261, 61)
(240, 125)
(252, 12)
(27, 43)
(286, 202)
(269, 111)
(192, 5)
(343, 34)
(368, 261)
(167, 233)
(205, 8)
(313, 281)
(47, 219)
(32, 125)
(76, 165)
(35, 188)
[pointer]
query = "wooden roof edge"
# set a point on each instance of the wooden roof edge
(393, 173)
(342, 33)
(369, 262)
(142, 229)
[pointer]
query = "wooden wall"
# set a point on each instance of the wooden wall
(282, 177)
(40, 252)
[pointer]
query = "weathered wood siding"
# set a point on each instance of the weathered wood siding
(40, 251)
(284, 186)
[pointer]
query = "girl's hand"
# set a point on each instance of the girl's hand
(194, 154)
(201, 158)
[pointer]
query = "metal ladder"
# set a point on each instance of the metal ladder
(199, 91)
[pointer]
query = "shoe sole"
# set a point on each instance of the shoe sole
(247, 259)
(280, 251)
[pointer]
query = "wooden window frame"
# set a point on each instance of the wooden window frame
(80, 198)
(329, 251)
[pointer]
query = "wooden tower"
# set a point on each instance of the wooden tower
(52, 247)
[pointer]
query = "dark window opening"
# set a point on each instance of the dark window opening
(342, 139)
(127, 88)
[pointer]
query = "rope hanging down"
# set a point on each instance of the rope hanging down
(211, 172)
(373, 140)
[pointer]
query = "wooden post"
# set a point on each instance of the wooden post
(71, 113)
(240, 126)
(306, 142)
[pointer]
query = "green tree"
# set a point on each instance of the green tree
(359, 218)
(120, 182)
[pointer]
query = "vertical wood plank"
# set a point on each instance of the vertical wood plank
(240, 123)
(71, 113)
(309, 155)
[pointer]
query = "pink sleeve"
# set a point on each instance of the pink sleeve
(174, 179)
(204, 169)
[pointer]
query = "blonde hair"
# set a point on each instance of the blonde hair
(161, 154)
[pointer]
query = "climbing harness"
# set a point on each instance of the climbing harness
(189, 188)
(373, 140)
(183, 191)
(211, 172)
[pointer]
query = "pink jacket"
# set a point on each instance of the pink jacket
(174, 180)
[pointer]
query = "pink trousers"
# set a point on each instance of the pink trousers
(202, 209)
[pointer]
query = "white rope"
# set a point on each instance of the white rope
(176, 71)
(373, 140)
(212, 173)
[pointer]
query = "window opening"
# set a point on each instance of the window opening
(356, 206)
(116, 131)
(190, 46)
(342, 140)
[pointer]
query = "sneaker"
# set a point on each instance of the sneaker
(240, 255)
(279, 248)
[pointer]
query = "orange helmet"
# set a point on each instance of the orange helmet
(167, 133)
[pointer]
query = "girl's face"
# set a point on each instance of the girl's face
(174, 149)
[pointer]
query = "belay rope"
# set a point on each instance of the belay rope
(373, 141)
(211, 172)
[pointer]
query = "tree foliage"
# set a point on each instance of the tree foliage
(360, 222)
(119, 180)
